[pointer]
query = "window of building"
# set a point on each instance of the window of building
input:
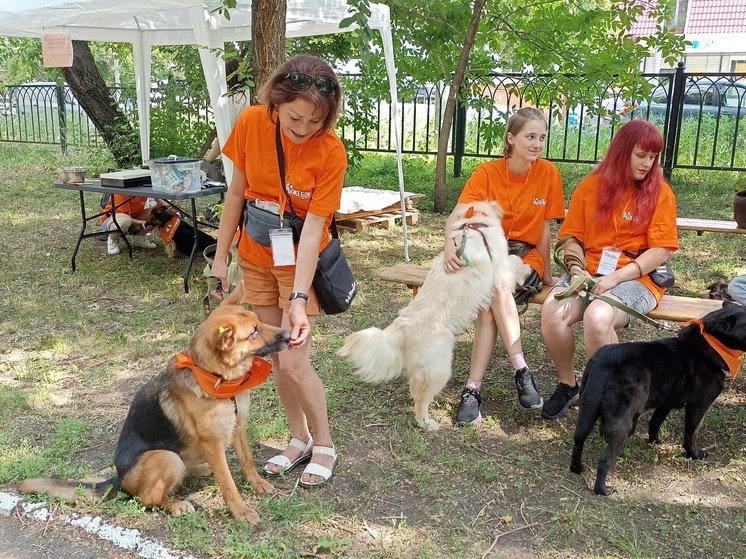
(738, 66)
(677, 19)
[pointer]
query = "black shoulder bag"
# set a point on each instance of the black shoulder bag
(333, 281)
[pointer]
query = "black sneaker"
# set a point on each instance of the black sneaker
(564, 396)
(528, 397)
(470, 408)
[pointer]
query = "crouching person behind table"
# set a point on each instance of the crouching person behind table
(621, 226)
(131, 215)
(302, 100)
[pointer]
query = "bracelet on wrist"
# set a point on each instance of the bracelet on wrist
(298, 295)
(639, 269)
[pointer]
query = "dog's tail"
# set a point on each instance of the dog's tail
(375, 353)
(591, 392)
(71, 490)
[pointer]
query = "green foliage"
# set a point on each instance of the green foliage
(24, 459)
(193, 532)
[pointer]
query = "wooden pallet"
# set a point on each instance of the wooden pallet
(384, 220)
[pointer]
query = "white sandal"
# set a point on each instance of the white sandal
(286, 466)
(318, 470)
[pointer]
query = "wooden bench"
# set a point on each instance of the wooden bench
(712, 225)
(672, 307)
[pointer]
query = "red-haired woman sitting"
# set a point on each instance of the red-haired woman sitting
(622, 220)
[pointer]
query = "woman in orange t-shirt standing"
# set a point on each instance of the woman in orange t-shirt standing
(622, 226)
(529, 190)
(302, 100)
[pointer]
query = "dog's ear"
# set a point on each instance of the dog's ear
(497, 209)
(223, 335)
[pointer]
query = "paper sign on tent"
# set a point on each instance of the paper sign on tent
(57, 50)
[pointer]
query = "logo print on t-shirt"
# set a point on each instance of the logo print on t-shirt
(303, 195)
(540, 201)
(629, 216)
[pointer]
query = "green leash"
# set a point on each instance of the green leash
(460, 251)
(578, 280)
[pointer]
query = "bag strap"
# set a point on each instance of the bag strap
(281, 166)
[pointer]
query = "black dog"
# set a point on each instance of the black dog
(183, 238)
(623, 380)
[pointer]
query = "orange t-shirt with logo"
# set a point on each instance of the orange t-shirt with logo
(624, 232)
(527, 200)
(314, 174)
(133, 207)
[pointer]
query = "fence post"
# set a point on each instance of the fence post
(459, 137)
(672, 128)
(62, 114)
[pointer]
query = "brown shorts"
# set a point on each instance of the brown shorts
(272, 287)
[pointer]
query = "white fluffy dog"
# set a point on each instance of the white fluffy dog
(419, 342)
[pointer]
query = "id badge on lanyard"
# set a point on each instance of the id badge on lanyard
(283, 250)
(609, 260)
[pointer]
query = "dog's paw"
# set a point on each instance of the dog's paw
(577, 468)
(181, 507)
(428, 424)
(655, 440)
(262, 486)
(603, 489)
(696, 454)
(243, 512)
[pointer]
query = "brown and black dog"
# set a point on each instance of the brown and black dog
(687, 371)
(175, 428)
(182, 239)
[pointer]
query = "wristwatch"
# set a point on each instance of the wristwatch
(298, 295)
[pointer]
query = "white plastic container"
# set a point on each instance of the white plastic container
(176, 175)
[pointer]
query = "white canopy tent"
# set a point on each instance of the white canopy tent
(145, 23)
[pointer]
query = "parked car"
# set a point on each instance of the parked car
(701, 97)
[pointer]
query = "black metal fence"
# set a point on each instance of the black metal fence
(702, 116)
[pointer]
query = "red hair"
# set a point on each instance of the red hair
(614, 171)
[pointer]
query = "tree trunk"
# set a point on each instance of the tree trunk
(94, 97)
(445, 131)
(267, 40)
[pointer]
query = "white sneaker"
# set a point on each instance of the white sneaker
(112, 247)
(142, 242)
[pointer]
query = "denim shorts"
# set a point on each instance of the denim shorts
(632, 293)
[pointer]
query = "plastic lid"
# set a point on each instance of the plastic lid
(171, 159)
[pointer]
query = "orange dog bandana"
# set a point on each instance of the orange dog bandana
(732, 357)
(216, 386)
(167, 231)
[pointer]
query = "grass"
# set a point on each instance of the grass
(76, 346)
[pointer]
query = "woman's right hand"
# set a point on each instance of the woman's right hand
(219, 270)
(451, 261)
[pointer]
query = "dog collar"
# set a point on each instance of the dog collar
(216, 386)
(732, 357)
(476, 227)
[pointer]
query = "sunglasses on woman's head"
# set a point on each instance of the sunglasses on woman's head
(301, 82)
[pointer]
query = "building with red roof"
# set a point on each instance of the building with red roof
(716, 30)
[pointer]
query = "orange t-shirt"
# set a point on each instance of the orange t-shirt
(133, 208)
(314, 174)
(527, 200)
(624, 232)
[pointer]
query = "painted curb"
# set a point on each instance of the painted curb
(124, 538)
